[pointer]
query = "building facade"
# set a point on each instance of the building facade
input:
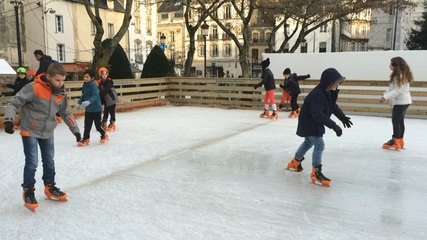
(390, 29)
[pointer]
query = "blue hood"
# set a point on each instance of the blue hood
(328, 77)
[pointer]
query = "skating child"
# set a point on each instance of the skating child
(291, 86)
(400, 98)
(39, 102)
(315, 114)
(20, 81)
(269, 85)
(91, 101)
(108, 97)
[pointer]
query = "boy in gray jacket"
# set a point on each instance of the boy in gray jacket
(39, 102)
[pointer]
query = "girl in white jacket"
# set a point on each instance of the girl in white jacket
(400, 98)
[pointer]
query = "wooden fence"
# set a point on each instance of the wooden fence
(356, 97)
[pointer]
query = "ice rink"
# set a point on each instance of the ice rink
(204, 173)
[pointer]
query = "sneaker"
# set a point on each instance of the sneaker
(53, 192)
(30, 200)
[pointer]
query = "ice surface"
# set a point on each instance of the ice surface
(204, 173)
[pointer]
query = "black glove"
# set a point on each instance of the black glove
(8, 127)
(346, 122)
(337, 130)
(308, 76)
(255, 87)
(78, 136)
(281, 86)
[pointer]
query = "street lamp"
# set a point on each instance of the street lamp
(163, 42)
(16, 5)
(45, 37)
(205, 32)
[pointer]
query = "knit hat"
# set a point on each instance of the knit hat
(287, 71)
(102, 69)
(265, 63)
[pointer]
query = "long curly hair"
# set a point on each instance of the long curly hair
(401, 71)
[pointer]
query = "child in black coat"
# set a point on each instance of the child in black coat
(291, 86)
(267, 79)
(315, 114)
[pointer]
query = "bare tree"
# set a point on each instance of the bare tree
(191, 7)
(245, 10)
(103, 52)
(309, 15)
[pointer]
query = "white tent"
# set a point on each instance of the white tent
(5, 68)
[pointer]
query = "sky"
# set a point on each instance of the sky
(205, 173)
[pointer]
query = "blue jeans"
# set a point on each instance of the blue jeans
(309, 142)
(47, 150)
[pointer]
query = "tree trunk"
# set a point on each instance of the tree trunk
(190, 54)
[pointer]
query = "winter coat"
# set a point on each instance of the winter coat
(318, 107)
(90, 93)
(291, 84)
(398, 95)
(107, 92)
(267, 80)
(45, 61)
(39, 106)
(18, 85)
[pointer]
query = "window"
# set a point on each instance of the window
(178, 15)
(227, 50)
(92, 28)
(214, 32)
(324, 28)
(214, 50)
(165, 16)
(137, 21)
(286, 49)
(138, 52)
(322, 47)
(267, 36)
(60, 49)
(227, 14)
(255, 37)
(149, 26)
(201, 50)
(59, 23)
(215, 13)
(110, 30)
(172, 36)
(303, 47)
(255, 55)
(388, 38)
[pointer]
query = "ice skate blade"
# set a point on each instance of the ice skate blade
(56, 199)
(320, 183)
(31, 208)
(293, 169)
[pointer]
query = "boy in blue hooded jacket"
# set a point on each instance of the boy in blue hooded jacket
(315, 114)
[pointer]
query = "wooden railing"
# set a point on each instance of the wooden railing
(357, 97)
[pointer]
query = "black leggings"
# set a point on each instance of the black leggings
(294, 102)
(398, 120)
(92, 117)
(109, 110)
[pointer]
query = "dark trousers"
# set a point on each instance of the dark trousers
(294, 103)
(109, 110)
(92, 117)
(398, 120)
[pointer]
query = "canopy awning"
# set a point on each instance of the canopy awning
(5, 68)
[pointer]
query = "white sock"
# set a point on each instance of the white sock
(274, 107)
(266, 107)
